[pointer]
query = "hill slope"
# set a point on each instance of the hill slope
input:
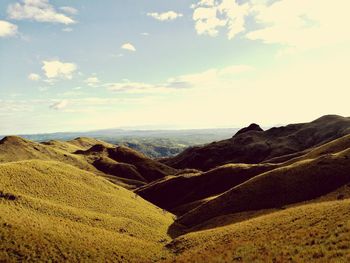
(318, 232)
(13, 148)
(186, 190)
(298, 182)
(80, 143)
(118, 164)
(124, 162)
(172, 192)
(46, 207)
(255, 146)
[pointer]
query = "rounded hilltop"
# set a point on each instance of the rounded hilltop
(251, 127)
(13, 140)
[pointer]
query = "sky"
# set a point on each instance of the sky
(86, 65)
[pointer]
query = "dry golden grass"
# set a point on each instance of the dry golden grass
(84, 143)
(14, 148)
(50, 210)
(317, 232)
(63, 146)
(124, 162)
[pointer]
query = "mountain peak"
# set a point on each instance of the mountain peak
(251, 127)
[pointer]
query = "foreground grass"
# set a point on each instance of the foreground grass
(318, 232)
(49, 210)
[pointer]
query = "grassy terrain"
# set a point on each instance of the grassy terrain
(318, 232)
(80, 143)
(258, 146)
(294, 183)
(17, 149)
(187, 188)
(124, 162)
(126, 167)
(54, 207)
(52, 210)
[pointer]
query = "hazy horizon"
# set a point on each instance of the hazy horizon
(82, 66)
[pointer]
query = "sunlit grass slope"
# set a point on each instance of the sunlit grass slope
(85, 143)
(50, 210)
(318, 232)
(13, 148)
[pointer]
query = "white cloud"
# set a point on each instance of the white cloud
(69, 10)
(147, 88)
(34, 77)
(130, 87)
(57, 69)
(210, 16)
(297, 25)
(67, 29)
(302, 25)
(37, 10)
(7, 29)
(129, 47)
(166, 16)
(60, 105)
(92, 81)
(8, 107)
(208, 78)
(145, 34)
(272, 96)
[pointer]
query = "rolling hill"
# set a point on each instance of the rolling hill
(175, 191)
(300, 181)
(50, 210)
(316, 232)
(255, 145)
(125, 167)
(124, 162)
(184, 192)
(13, 148)
(281, 195)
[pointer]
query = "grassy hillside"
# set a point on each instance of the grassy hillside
(318, 232)
(53, 206)
(52, 210)
(80, 143)
(13, 148)
(334, 146)
(187, 188)
(255, 146)
(298, 182)
(124, 162)
(125, 167)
